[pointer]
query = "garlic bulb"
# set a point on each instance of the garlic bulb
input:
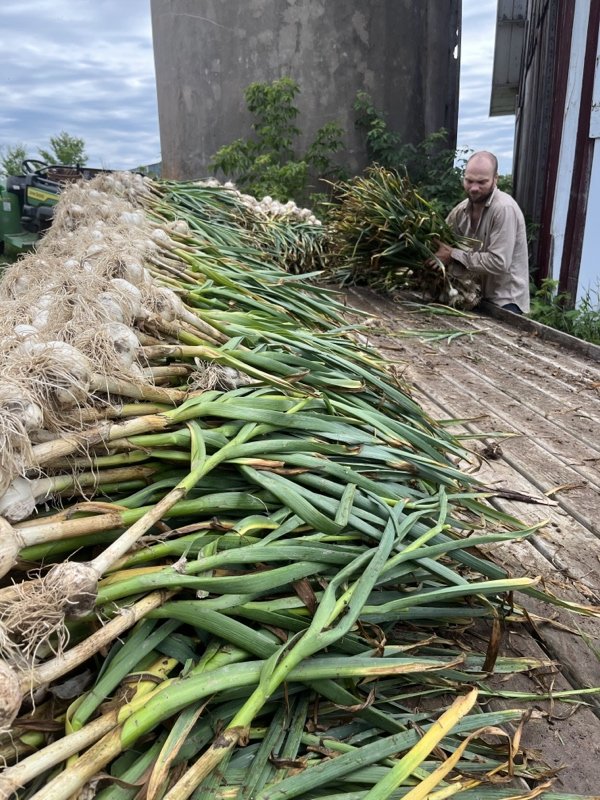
(129, 296)
(25, 331)
(77, 582)
(18, 405)
(20, 285)
(18, 501)
(133, 218)
(180, 226)
(133, 272)
(168, 305)
(94, 250)
(161, 237)
(111, 307)
(10, 692)
(65, 372)
(124, 341)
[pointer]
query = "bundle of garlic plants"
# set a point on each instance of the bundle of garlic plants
(226, 525)
(385, 235)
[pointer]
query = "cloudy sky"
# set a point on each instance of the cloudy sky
(86, 67)
(477, 130)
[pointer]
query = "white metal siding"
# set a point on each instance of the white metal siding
(508, 51)
(589, 270)
(569, 135)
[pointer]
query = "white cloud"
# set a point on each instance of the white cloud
(476, 129)
(87, 68)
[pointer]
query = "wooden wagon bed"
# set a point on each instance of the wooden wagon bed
(502, 376)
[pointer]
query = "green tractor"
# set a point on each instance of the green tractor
(27, 202)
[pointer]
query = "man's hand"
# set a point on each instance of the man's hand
(441, 258)
(443, 253)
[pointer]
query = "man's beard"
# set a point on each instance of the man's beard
(481, 199)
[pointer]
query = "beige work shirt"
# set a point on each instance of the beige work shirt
(500, 261)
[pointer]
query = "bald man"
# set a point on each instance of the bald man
(500, 261)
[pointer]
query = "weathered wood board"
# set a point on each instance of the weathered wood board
(499, 379)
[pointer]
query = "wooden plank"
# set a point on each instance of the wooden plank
(559, 454)
(565, 543)
(570, 569)
(514, 382)
(545, 465)
(563, 736)
(461, 381)
(565, 340)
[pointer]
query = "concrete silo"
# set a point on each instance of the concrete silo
(404, 53)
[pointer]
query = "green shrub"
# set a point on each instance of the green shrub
(62, 149)
(11, 158)
(556, 310)
(268, 163)
(433, 168)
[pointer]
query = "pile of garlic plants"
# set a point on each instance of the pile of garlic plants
(267, 206)
(76, 315)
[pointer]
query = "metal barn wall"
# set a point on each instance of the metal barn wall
(206, 53)
(541, 96)
(511, 17)
(556, 142)
(589, 277)
(577, 224)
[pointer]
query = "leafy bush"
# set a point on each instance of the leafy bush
(268, 163)
(11, 158)
(556, 310)
(431, 165)
(62, 149)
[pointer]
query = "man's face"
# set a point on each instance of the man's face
(479, 180)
